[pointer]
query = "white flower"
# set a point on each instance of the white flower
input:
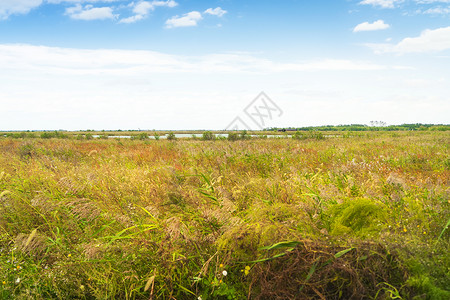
(225, 273)
(18, 280)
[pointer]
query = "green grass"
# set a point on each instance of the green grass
(355, 217)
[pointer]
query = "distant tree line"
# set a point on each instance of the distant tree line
(379, 126)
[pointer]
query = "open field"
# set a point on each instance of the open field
(362, 217)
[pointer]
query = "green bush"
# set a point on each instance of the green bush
(233, 136)
(208, 136)
(171, 136)
(141, 136)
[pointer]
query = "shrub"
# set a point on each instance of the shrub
(208, 136)
(299, 136)
(47, 135)
(244, 135)
(233, 136)
(141, 136)
(171, 136)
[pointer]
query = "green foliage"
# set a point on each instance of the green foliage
(27, 151)
(244, 135)
(141, 136)
(362, 127)
(54, 134)
(361, 217)
(21, 135)
(171, 136)
(424, 286)
(308, 135)
(208, 136)
(233, 136)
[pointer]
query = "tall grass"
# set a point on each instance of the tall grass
(308, 218)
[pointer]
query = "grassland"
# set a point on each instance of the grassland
(356, 217)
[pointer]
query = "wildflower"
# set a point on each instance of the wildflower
(18, 280)
(199, 298)
(4, 282)
(69, 255)
(424, 232)
(221, 266)
(404, 229)
(247, 270)
(225, 273)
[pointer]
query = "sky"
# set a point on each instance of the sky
(188, 65)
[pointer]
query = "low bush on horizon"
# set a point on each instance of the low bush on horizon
(360, 217)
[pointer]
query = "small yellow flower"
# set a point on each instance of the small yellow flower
(220, 281)
(424, 232)
(4, 282)
(221, 266)
(404, 229)
(69, 255)
(19, 267)
(247, 270)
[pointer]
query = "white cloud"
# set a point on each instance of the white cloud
(126, 89)
(437, 11)
(79, 1)
(131, 19)
(187, 20)
(12, 7)
(432, 1)
(88, 13)
(430, 40)
(366, 26)
(67, 61)
(143, 8)
(381, 3)
(218, 11)
(168, 3)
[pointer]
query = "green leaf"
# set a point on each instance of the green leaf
(445, 227)
(311, 271)
(341, 253)
(185, 289)
(267, 259)
(281, 245)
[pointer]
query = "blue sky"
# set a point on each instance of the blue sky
(74, 64)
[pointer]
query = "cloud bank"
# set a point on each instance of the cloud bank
(430, 40)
